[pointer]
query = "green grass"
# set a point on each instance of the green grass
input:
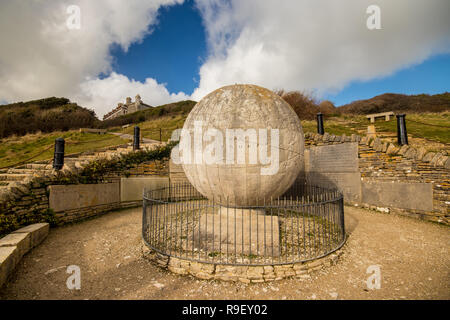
(14, 150)
(337, 125)
(331, 126)
(433, 126)
(150, 129)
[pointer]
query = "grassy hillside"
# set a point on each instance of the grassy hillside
(151, 129)
(31, 127)
(400, 103)
(28, 129)
(35, 147)
(431, 130)
(44, 115)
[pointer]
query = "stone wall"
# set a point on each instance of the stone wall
(53, 198)
(15, 245)
(335, 165)
(402, 180)
(245, 274)
(131, 189)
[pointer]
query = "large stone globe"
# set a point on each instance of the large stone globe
(224, 177)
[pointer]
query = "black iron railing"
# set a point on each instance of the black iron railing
(306, 223)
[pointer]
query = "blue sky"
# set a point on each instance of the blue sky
(432, 76)
(174, 52)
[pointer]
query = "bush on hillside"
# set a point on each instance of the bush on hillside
(399, 103)
(44, 115)
(305, 105)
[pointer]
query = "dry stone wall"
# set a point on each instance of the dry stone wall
(403, 180)
(245, 274)
(28, 201)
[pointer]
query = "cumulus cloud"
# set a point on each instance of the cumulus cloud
(104, 94)
(40, 56)
(316, 45)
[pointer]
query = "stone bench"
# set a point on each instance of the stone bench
(15, 245)
(386, 115)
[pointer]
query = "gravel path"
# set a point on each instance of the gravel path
(413, 257)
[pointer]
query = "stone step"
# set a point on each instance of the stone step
(43, 162)
(38, 166)
(27, 171)
(71, 160)
(13, 176)
(20, 171)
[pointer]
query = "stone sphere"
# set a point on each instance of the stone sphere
(228, 180)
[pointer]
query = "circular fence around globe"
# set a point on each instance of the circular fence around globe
(306, 223)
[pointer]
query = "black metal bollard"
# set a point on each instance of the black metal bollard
(320, 129)
(58, 157)
(137, 137)
(402, 136)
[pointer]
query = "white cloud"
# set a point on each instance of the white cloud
(104, 94)
(40, 56)
(316, 45)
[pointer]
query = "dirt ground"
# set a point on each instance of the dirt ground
(413, 257)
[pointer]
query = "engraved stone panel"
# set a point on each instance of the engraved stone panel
(333, 158)
(335, 166)
(66, 197)
(415, 196)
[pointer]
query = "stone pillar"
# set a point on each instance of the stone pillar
(371, 133)
(320, 129)
(402, 135)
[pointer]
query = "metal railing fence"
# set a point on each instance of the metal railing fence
(306, 223)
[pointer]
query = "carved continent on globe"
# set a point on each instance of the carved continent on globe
(245, 107)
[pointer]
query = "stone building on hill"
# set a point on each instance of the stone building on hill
(126, 108)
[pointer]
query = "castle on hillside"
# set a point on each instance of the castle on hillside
(126, 108)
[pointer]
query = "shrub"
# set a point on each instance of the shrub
(45, 115)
